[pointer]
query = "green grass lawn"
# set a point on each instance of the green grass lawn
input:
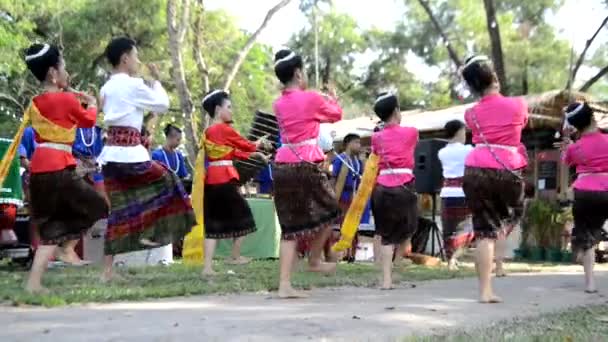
(82, 285)
(578, 324)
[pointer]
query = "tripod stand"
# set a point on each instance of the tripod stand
(435, 234)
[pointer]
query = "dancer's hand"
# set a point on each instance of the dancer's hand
(263, 143)
(262, 156)
(90, 100)
(153, 69)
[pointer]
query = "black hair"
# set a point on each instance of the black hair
(579, 117)
(213, 99)
(479, 75)
(452, 127)
(385, 105)
(117, 48)
(286, 69)
(350, 137)
(40, 65)
(170, 129)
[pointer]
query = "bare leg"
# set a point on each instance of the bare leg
(501, 246)
(236, 258)
(315, 264)
(286, 261)
(377, 250)
(209, 252)
(108, 268)
(41, 260)
(485, 254)
(453, 261)
(387, 266)
(588, 263)
(330, 256)
(67, 253)
(401, 250)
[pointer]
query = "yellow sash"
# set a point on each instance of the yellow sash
(350, 225)
(194, 242)
(45, 128)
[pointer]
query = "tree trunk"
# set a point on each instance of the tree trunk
(177, 33)
(240, 58)
(581, 58)
(197, 43)
(524, 79)
(497, 56)
(326, 72)
(444, 37)
(594, 79)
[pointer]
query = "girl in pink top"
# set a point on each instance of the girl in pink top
(304, 198)
(394, 200)
(492, 180)
(590, 157)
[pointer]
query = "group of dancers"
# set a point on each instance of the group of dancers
(146, 205)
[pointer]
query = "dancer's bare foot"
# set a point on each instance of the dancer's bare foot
(208, 273)
(323, 267)
(490, 299)
(452, 266)
(240, 261)
(501, 273)
(288, 292)
(68, 256)
(111, 277)
(37, 289)
(149, 243)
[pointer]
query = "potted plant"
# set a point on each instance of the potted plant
(538, 214)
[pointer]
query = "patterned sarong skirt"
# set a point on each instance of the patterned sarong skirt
(590, 213)
(496, 199)
(148, 201)
(395, 211)
(304, 198)
(456, 224)
(63, 205)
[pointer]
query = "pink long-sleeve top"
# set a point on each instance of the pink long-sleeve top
(501, 119)
(299, 114)
(395, 145)
(590, 157)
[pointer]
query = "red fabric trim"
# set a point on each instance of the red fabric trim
(453, 182)
(124, 136)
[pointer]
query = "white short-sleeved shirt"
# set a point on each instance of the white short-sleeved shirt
(452, 158)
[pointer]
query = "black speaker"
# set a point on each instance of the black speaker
(427, 170)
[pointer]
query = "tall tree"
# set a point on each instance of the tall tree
(238, 60)
(496, 44)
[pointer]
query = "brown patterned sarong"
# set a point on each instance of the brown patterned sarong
(304, 198)
(495, 197)
(395, 211)
(590, 214)
(63, 205)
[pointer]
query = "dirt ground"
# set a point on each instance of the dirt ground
(343, 314)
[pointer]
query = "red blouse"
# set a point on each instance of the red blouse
(64, 110)
(224, 134)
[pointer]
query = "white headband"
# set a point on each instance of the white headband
(213, 93)
(285, 59)
(480, 58)
(384, 97)
(38, 54)
(575, 110)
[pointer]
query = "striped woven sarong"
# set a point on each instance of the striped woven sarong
(149, 202)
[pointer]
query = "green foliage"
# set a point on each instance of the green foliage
(86, 26)
(545, 222)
